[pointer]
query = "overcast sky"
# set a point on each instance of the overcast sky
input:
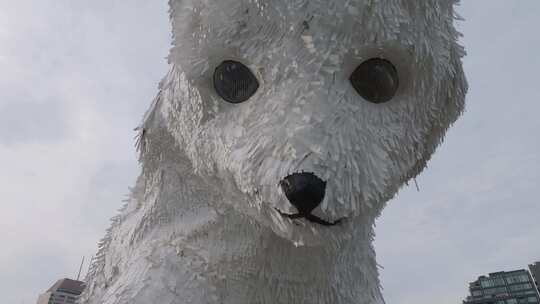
(76, 77)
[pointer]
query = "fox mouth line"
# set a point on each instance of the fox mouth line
(310, 217)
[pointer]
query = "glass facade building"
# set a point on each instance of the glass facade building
(504, 287)
(535, 270)
(64, 291)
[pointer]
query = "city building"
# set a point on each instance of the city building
(64, 291)
(535, 270)
(504, 287)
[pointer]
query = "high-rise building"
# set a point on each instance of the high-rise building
(504, 287)
(535, 270)
(64, 291)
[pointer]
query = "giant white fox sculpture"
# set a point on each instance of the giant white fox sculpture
(277, 137)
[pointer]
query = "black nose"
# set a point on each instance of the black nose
(305, 191)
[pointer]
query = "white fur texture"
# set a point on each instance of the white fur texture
(201, 225)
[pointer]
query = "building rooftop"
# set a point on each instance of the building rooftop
(68, 286)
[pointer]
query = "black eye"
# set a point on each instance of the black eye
(234, 82)
(376, 80)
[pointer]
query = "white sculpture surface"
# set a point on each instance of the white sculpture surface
(209, 219)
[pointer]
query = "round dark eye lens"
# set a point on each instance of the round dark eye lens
(234, 82)
(376, 80)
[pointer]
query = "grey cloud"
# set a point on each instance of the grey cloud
(76, 77)
(31, 122)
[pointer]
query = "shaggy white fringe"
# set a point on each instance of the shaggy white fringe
(200, 225)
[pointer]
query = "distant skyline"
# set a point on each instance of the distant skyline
(77, 76)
